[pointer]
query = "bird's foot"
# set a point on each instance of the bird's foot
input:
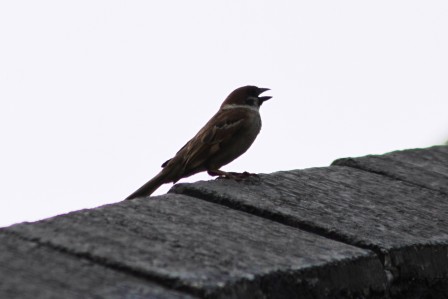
(237, 176)
(243, 175)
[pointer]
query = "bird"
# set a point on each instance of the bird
(225, 137)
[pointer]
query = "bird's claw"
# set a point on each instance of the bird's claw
(243, 175)
(237, 176)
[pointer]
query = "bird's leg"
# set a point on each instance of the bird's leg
(231, 175)
(222, 174)
(245, 174)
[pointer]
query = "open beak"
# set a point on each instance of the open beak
(263, 99)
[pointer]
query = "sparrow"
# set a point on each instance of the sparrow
(225, 137)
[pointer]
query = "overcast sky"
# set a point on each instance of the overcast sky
(96, 95)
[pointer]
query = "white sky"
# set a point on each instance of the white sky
(96, 95)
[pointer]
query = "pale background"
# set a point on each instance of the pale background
(96, 95)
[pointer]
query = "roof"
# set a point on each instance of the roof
(369, 227)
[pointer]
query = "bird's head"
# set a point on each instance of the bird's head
(246, 96)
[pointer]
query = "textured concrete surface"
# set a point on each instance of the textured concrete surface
(211, 251)
(30, 270)
(405, 224)
(423, 167)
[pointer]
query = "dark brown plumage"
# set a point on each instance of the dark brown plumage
(226, 136)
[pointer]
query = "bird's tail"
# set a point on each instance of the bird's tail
(150, 186)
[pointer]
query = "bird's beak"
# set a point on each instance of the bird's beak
(263, 99)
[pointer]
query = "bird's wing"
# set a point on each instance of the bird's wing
(219, 130)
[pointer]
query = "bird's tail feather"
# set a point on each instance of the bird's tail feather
(150, 186)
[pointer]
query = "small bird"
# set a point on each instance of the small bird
(225, 137)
